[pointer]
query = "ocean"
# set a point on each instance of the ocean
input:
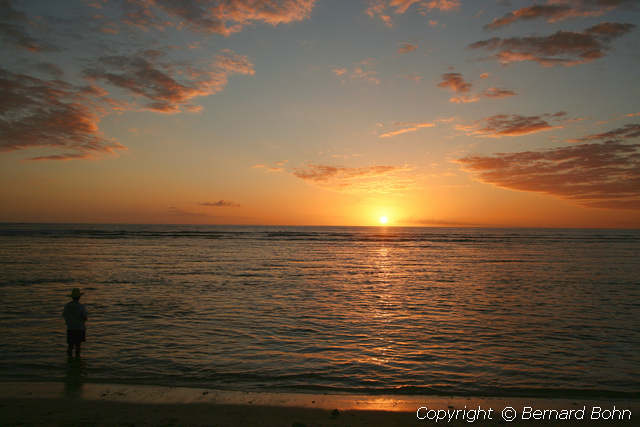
(389, 310)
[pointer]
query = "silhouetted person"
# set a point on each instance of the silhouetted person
(75, 314)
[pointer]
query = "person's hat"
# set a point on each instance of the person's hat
(75, 293)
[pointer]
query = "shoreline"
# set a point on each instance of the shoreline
(60, 403)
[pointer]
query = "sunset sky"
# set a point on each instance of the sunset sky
(321, 112)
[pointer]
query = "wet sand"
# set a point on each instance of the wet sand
(133, 405)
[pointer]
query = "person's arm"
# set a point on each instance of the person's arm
(85, 315)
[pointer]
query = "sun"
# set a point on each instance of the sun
(383, 219)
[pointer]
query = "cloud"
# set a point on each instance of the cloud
(367, 179)
(601, 174)
(464, 99)
(382, 179)
(377, 9)
(362, 70)
(167, 87)
(406, 128)
(511, 125)
(13, 30)
(37, 113)
(616, 135)
(407, 47)
(50, 69)
(220, 204)
(382, 9)
(494, 92)
(63, 157)
(455, 82)
(484, 75)
(214, 16)
(561, 48)
(557, 10)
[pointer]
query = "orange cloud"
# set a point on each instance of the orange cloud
(211, 16)
(167, 87)
(455, 82)
(367, 179)
(409, 127)
(510, 125)
(464, 99)
(602, 175)
(378, 178)
(557, 10)
(37, 113)
(616, 135)
(407, 47)
(383, 8)
(561, 48)
(362, 70)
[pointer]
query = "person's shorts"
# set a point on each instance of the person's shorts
(75, 336)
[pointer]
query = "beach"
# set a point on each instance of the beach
(135, 405)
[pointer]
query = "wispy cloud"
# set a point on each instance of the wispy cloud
(220, 204)
(598, 174)
(51, 114)
(381, 179)
(407, 47)
(402, 128)
(278, 167)
(50, 69)
(363, 71)
(464, 99)
(615, 135)
(14, 30)
(494, 92)
(368, 179)
(557, 10)
(167, 87)
(213, 16)
(561, 48)
(511, 125)
(456, 83)
(382, 9)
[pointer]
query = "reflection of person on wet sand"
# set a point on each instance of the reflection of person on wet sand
(75, 376)
(75, 315)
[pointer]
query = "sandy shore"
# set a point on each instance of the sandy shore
(133, 405)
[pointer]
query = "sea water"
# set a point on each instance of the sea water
(328, 309)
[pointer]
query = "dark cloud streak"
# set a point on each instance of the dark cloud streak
(557, 10)
(561, 48)
(597, 174)
(37, 113)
